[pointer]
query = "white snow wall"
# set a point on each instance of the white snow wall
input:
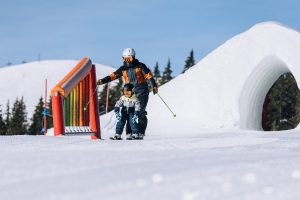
(227, 88)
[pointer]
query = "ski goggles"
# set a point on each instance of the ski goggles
(128, 59)
(126, 92)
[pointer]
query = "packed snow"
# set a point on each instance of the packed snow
(206, 165)
(213, 149)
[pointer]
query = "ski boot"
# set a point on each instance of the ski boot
(128, 136)
(141, 136)
(137, 136)
(116, 137)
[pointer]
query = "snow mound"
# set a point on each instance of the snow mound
(226, 89)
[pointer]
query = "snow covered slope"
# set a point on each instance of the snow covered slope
(226, 89)
(28, 80)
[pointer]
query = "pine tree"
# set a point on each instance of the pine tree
(18, 121)
(2, 124)
(275, 105)
(114, 94)
(36, 125)
(190, 62)
(296, 118)
(7, 116)
(289, 102)
(166, 77)
(23, 117)
(156, 73)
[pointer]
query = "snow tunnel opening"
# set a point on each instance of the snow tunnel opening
(280, 109)
(257, 85)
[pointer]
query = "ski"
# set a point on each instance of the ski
(113, 138)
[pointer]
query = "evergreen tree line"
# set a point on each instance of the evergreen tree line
(166, 75)
(14, 121)
(283, 111)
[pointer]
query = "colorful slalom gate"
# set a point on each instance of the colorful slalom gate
(75, 103)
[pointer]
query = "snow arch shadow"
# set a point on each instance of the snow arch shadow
(255, 88)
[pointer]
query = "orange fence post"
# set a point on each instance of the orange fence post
(57, 113)
(94, 110)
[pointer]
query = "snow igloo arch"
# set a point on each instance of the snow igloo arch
(255, 88)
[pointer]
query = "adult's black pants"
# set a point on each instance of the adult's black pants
(142, 116)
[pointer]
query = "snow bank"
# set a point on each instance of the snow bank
(227, 88)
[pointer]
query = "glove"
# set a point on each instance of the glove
(134, 118)
(99, 82)
(155, 90)
(118, 116)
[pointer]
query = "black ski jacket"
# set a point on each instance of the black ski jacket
(135, 73)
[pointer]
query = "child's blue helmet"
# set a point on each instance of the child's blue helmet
(128, 87)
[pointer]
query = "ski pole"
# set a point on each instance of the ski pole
(166, 105)
(90, 98)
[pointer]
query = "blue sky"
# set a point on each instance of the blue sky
(156, 29)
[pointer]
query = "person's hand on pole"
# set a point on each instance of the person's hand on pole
(99, 82)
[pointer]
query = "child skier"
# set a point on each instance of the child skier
(129, 112)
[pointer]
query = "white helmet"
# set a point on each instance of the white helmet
(128, 52)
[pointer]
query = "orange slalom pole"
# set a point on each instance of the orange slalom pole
(57, 113)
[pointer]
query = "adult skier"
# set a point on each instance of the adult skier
(136, 73)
